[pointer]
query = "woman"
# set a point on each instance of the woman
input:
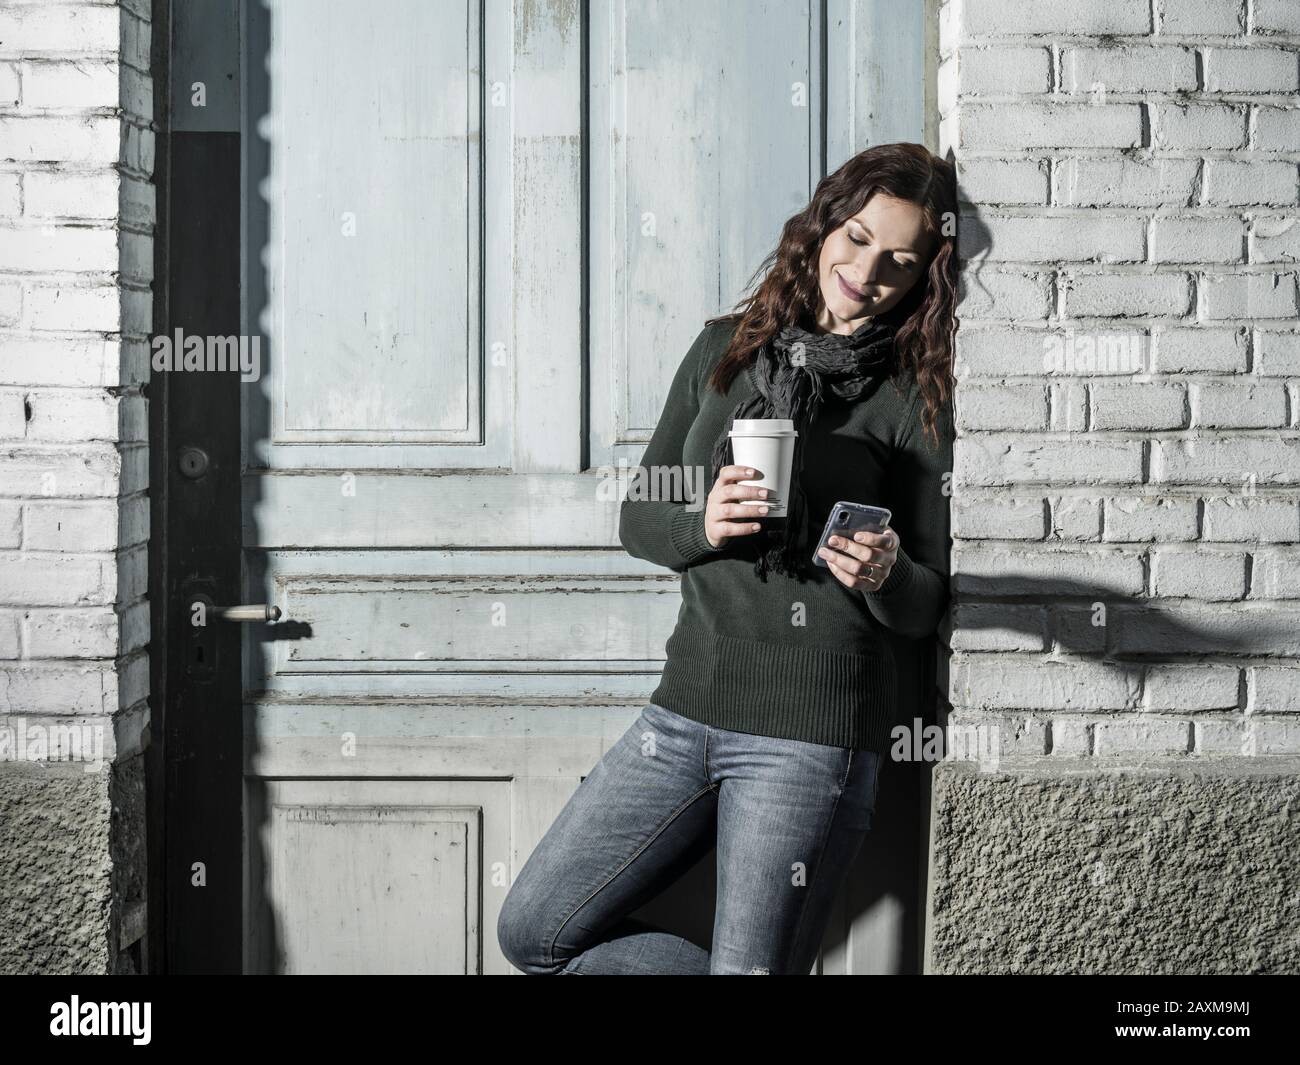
(772, 716)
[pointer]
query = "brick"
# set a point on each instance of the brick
(83, 141)
(1277, 129)
(1050, 239)
(1004, 71)
(997, 517)
(1274, 240)
(11, 305)
(29, 360)
(1274, 690)
(1129, 405)
(1277, 354)
(1237, 518)
(1002, 406)
(1070, 738)
(48, 249)
(58, 195)
(1276, 575)
(1217, 349)
(1127, 182)
(990, 17)
(1197, 240)
(72, 415)
(64, 308)
(999, 627)
(72, 689)
(129, 573)
(9, 644)
(52, 580)
(1191, 687)
(1076, 518)
(1195, 18)
(1141, 737)
(1231, 183)
(1129, 69)
(90, 633)
(51, 28)
(51, 471)
(1238, 405)
(1277, 16)
(1078, 629)
(1003, 458)
(981, 569)
(11, 525)
(1268, 460)
(1258, 295)
(1199, 573)
(10, 196)
(1185, 627)
(10, 92)
(1130, 519)
(83, 84)
(1249, 738)
(1198, 126)
(1008, 681)
(70, 527)
(1051, 125)
(1003, 181)
(1122, 295)
(1254, 69)
(1004, 294)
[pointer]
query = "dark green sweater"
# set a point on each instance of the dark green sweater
(796, 659)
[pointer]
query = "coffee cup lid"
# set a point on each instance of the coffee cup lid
(762, 427)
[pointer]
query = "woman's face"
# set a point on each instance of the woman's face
(868, 264)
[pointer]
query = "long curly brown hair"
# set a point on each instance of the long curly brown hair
(925, 320)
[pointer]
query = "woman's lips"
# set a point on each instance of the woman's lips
(850, 291)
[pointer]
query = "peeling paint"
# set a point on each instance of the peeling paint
(562, 14)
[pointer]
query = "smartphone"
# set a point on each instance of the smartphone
(848, 518)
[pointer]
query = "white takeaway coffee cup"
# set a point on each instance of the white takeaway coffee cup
(766, 445)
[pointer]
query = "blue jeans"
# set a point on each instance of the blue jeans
(788, 818)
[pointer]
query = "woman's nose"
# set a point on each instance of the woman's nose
(869, 267)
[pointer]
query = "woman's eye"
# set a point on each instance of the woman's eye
(904, 264)
(855, 240)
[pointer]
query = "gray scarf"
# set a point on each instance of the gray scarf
(791, 374)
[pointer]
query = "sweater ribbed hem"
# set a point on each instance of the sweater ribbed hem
(830, 697)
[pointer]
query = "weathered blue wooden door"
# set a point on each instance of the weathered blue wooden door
(479, 237)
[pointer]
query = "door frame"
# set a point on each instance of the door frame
(195, 756)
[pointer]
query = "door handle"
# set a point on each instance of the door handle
(257, 612)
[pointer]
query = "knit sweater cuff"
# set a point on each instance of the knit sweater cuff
(899, 576)
(687, 534)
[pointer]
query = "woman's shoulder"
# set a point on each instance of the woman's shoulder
(717, 332)
(712, 342)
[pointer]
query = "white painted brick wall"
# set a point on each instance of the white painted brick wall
(76, 264)
(1126, 568)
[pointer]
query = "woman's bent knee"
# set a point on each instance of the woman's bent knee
(523, 938)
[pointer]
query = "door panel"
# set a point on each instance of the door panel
(478, 238)
(705, 136)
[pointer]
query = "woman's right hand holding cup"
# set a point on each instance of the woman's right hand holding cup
(724, 516)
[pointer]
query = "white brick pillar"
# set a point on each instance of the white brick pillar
(1125, 636)
(76, 266)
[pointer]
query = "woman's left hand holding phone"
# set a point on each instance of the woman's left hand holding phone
(863, 563)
